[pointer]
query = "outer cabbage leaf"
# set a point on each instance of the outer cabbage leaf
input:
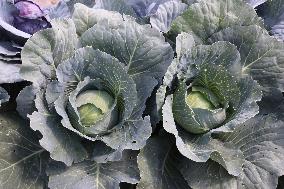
(160, 12)
(142, 49)
(207, 17)
(200, 148)
(261, 141)
(136, 8)
(61, 10)
(272, 13)
(23, 160)
(261, 54)
(46, 50)
(62, 145)
(103, 153)
(115, 5)
(26, 101)
(158, 164)
(92, 175)
(4, 96)
(145, 8)
(272, 102)
(195, 140)
(65, 8)
(71, 3)
(152, 50)
(184, 42)
(85, 17)
(165, 14)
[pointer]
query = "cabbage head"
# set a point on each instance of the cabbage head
(92, 75)
(206, 94)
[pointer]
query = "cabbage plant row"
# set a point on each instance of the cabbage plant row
(145, 94)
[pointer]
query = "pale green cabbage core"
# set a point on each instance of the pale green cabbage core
(196, 99)
(93, 105)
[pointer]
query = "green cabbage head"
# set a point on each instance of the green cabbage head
(92, 75)
(206, 94)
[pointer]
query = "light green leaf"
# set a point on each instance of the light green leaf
(115, 5)
(165, 14)
(76, 68)
(92, 175)
(261, 141)
(220, 53)
(62, 144)
(246, 108)
(144, 86)
(158, 164)
(161, 92)
(72, 3)
(85, 17)
(141, 48)
(131, 135)
(207, 17)
(103, 153)
(22, 159)
(184, 43)
(209, 175)
(46, 49)
(262, 56)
